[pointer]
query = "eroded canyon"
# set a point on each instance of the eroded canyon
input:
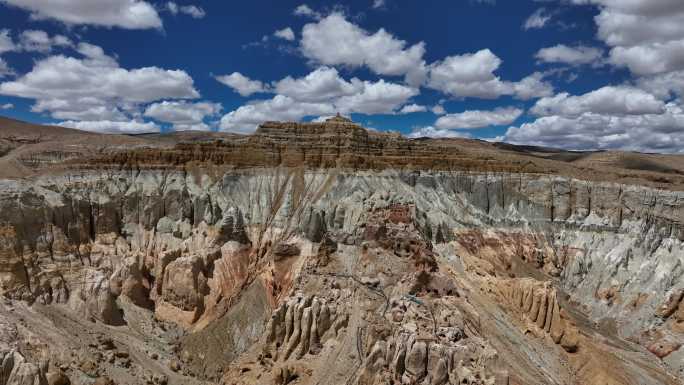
(324, 253)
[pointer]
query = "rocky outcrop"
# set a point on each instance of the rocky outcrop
(371, 252)
(299, 327)
(538, 303)
(94, 299)
(183, 290)
(16, 371)
(673, 307)
(408, 358)
(315, 145)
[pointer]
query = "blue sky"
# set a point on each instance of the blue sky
(578, 74)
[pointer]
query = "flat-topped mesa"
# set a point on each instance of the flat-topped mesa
(336, 142)
(337, 127)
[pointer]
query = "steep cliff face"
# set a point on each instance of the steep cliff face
(323, 253)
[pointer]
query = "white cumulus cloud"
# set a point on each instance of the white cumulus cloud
(285, 34)
(472, 75)
(322, 84)
(538, 19)
(6, 42)
(589, 131)
(129, 14)
(411, 108)
(94, 87)
(611, 117)
(652, 58)
(112, 127)
(40, 41)
(242, 84)
(610, 100)
(646, 36)
(663, 86)
(477, 118)
(182, 114)
(191, 10)
(379, 97)
(5, 69)
(306, 11)
(335, 41)
(562, 53)
(438, 109)
(432, 132)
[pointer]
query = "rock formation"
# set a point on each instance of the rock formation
(538, 302)
(323, 253)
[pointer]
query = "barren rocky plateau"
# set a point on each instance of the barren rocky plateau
(325, 253)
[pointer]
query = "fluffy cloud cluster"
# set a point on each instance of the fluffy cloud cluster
(321, 92)
(332, 41)
(306, 11)
(112, 127)
(646, 114)
(607, 100)
(182, 114)
(130, 14)
(379, 97)
(562, 53)
(472, 75)
(285, 34)
(608, 118)
(646, 36)
(647, 133)
(411, 108)
(6, 42)
(664, 86)
(335, 41)
(32, 41)
(5, 69)
(353, 96)
(432, 132)
(28, 41)
(323, 84)
(94, 88)
(478, 119)
(448, 125)
(191, 10)
(378, 3)
(242, 84)
(40, 41)
(538, 19)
